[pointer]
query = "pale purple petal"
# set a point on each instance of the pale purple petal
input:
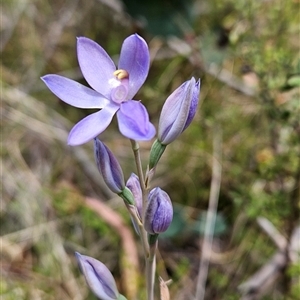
(98, 277)
(135, 59)
(96, 65)
(159, 211)
(176, 110)
(92, 125)
(74, 93)
(193, 105)
(133, 183)
(133, 120)
(109, 167)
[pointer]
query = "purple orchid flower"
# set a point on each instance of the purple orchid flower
(109, 167)
(98, 277)
(177, 114)
(178, 111)
(134, 186)
(112, 91)
(159, 211)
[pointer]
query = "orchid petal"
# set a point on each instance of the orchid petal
(134, 185)
(98, 277)
(74, 93)
(133, 120)
(175, 109)
(96, 65)
(92, 125)
(135, 59)
(193, 105)
(158, 212)
(109, 167)
(178, 111)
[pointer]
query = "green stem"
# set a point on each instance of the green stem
(139, 167)
(143, 234)
(136, 151)
(149, 252)
(150, 273)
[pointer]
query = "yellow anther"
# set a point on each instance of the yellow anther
(121, 74)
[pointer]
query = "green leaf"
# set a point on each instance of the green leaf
(294, 81)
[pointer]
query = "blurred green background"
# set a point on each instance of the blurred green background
(247, 56)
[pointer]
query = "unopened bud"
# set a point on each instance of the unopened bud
(109, 167)
(133, 184)
(159, 212)
(178, 111)
(98, 277)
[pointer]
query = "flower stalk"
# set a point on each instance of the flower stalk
(112, 91)
(150, 273)
(149, 252)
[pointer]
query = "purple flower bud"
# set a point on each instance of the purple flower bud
(98, 277)
(109, 167)
(133, 183)
(159, 212)
(178, 111)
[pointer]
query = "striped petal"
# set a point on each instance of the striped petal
(96, 65)
(74, 93)
(135, 59)
(133, 120)
(92, 125)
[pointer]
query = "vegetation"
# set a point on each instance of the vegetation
(247, 56)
